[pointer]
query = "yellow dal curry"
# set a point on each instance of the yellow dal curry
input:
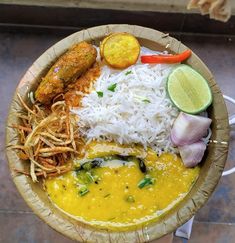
(115, 201)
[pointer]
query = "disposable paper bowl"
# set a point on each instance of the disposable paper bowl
(212, 166)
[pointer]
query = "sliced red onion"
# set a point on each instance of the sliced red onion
(192, 154)
(188, 129)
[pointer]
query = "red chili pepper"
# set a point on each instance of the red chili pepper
(166, 58)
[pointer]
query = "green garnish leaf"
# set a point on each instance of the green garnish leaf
(112, 87)
(130, 199)
(92, 164)
(89, 177)
(83, 191)
(146, 101)
(100, 93)
(146, 182)
(87, 166)
(128, 72)
(84, 177)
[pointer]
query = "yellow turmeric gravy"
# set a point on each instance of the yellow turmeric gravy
(107, 205)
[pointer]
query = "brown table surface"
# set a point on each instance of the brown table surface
(215, 222)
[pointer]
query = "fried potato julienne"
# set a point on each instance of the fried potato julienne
(49, 139)
(120, 50)
(66, 70)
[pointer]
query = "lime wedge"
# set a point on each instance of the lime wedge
(188, 90)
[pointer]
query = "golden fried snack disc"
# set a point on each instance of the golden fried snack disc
(120, 50)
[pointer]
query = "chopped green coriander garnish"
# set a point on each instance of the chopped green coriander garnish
(146, 182)
(87, 166)
(83, 191)
(100, 93)
(128, 72)
(112, 87)
(89, 177)
(146, 101)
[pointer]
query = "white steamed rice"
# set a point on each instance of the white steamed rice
(138, 111)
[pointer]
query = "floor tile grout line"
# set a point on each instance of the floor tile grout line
(215, 223)
(7, 211)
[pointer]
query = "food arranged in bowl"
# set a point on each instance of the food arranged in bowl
(116, 132)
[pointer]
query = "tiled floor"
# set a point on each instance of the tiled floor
(215, 223)
(204, 232)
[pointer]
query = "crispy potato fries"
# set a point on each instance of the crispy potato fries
(49, 139)
(120, 50)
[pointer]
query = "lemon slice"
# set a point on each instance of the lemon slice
(188, 90)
